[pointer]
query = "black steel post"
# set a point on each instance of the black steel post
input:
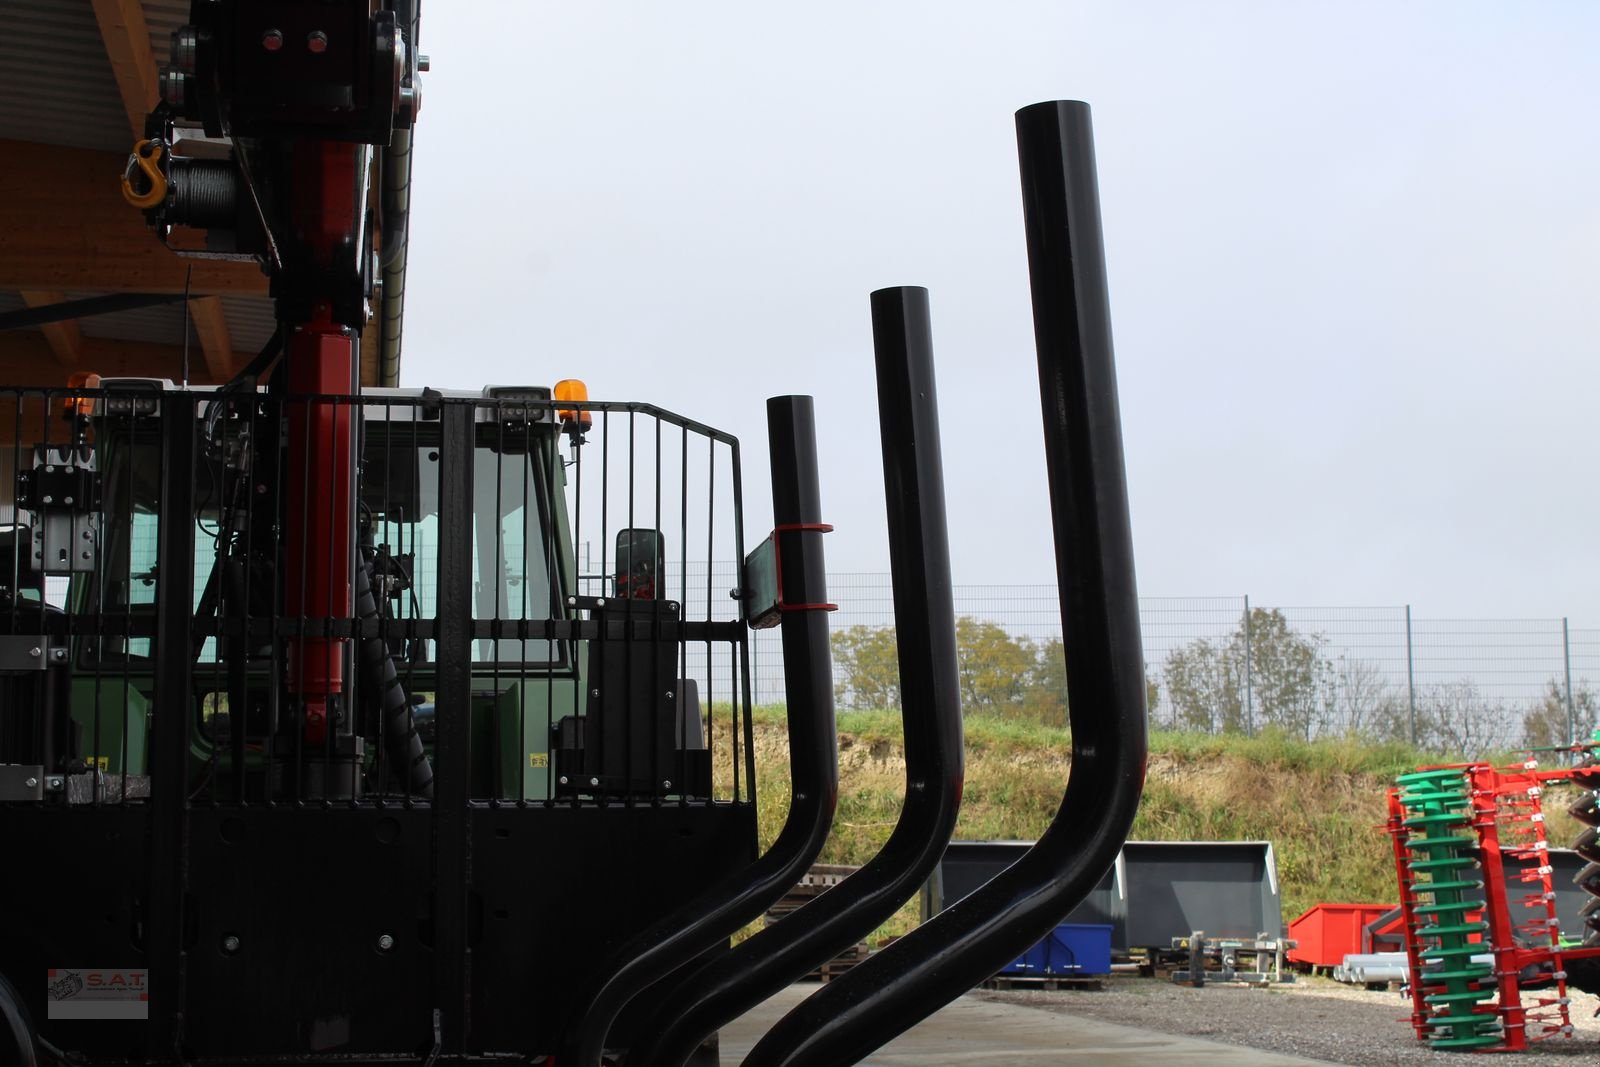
(971, 940)
(16, 1031)
(452, 872)
(925, 628)
(721, 911)
(171, 710)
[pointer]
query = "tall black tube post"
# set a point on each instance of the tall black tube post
(925, 631)
(721, 911)
(974, 938)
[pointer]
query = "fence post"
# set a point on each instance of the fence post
(1411, 679)
(1566, 661)
(1249, 679)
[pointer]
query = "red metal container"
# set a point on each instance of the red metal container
(1386, 933)
(1329, 932)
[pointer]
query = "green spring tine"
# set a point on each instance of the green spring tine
(1439, 862)
(1457, 930)
(1444, 842)
(1434, 887)
(1442, 953)
(1444, 818)
(1431, 776)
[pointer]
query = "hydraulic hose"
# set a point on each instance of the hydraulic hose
(400, 739)
(396, 195)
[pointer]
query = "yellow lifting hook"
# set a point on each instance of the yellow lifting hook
(145, 157)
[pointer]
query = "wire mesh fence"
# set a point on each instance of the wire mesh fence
(1230, 664)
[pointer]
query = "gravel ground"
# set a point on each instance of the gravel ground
(1312, 1017)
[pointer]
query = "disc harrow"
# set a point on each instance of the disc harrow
(1490, 968)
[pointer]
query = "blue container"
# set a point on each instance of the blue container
(1071, 949)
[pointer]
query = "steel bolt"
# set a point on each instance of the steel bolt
(385, 942)
(563, 779)
(669, 694)
(230, 944)
(317, 42)
(594, 692)
(423, 63)
(666, 784)
(272, 40)
(34, 652)
(594, 781)
(30, 783)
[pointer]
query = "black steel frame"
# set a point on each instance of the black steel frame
(451, 905)
(680, 939)
(381, 928)
(908, 418)
(967, 943)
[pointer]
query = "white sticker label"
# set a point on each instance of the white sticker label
(91, 993)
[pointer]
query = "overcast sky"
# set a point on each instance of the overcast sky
(1352, 253)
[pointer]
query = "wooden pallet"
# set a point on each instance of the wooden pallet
(840, 964)
(1044, 981)
(817, 881)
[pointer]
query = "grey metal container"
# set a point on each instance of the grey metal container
(1155, 891)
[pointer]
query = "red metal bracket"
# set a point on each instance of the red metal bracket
(777, 561)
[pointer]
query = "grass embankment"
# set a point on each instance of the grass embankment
(1321, 804)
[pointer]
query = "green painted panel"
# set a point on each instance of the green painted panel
(115, 720)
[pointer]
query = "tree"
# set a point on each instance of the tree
(1045, 698)
(997, 673)
(1205, 683)
(866, 662)
(1290, 677)
(1545, 723)
(1265, 673)
(994, 668)
(1363, 702)
(1455, 719)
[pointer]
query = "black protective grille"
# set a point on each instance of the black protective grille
(510, 584)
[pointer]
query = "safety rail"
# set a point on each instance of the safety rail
(587, 541)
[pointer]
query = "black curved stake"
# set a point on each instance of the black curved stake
(970, 941)
(722, 910)
(925, 631)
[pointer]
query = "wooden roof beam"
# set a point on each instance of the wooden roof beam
(25, 361)
(64, 337)
(211, 325)
(64, 226)
(127, 39)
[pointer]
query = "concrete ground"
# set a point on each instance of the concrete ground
(970, 1032)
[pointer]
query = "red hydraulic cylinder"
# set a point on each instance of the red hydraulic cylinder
(321, 368)
(319, 534)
